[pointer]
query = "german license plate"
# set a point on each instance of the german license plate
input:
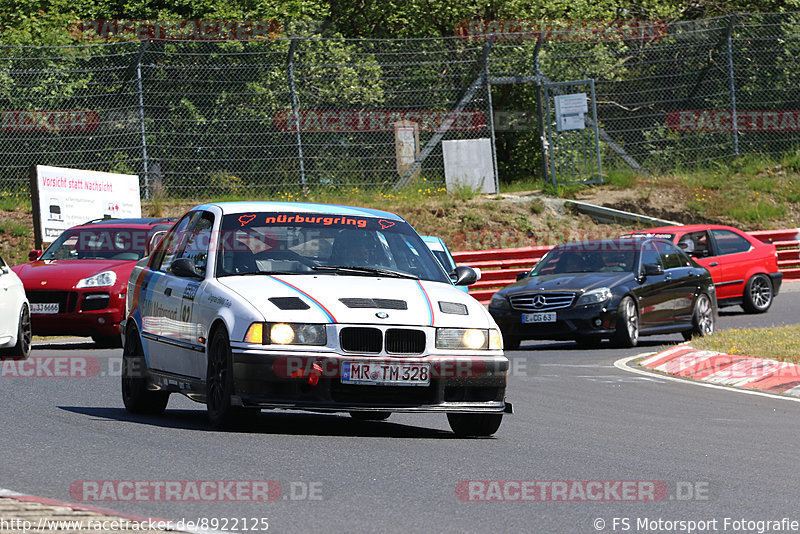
(385, 373)
(44, 307)
(543, 317)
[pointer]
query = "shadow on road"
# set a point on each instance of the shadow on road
(299, 424)
(60, 345)
(571, 346)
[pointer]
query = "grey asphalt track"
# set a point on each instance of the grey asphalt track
(577, 418)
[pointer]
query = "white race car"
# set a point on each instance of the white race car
(15, 319)
(267, 305)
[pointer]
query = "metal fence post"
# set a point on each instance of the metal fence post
(296, 115)
(732, 86)
(439, 135)
(491, 120)
(537, 71)
(142, 131)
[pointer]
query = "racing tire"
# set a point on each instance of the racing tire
(474, 424)
(703, 323)
(107, 342)
(627, 334)
(135, 380)
(758, 294)
(22, 350)
(370, 416)
(219, 381)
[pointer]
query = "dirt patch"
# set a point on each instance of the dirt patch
(669, 204)
(14, 248)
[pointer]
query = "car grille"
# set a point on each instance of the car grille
(67, 300)
(536, 302)
(95, 301)
(401, 341)
(371, 340)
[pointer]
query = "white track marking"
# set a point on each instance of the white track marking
(622, 364)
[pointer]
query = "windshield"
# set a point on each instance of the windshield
(99, 244)
(586, 260)
(280, 243)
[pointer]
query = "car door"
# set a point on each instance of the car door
(192, 328)
(702, 251)
(732, 258)
(8, 319)
(685, 276)
(682, 279)
(650, 294)
(161, 319)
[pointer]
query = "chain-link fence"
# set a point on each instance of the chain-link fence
(282, 116)
(681, 94)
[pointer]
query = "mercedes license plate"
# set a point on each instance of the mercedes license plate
(544, 317)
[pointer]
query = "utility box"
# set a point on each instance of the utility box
(468, 163)
(406, 142)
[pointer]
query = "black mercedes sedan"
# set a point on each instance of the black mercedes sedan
(616, 289)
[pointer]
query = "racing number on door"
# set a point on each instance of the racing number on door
(186, 313)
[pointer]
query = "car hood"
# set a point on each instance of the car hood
(64, 274)
(323, 294)
(572, 282)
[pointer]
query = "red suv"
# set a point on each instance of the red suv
(744, 269)
(77, 286)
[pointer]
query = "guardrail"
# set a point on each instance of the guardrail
(499, 267)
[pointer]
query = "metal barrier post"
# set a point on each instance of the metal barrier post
(296, 115)
(140, 95)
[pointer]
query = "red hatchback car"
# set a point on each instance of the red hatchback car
(78, 285)
(744, 269)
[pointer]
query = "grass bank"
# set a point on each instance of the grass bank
(780, 343)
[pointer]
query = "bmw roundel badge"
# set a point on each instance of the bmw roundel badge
(381, 315)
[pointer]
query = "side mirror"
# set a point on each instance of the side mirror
(653, 269)
(520, 276)
(183, 267)
(34, 255)
(155, 239)
(465, 276)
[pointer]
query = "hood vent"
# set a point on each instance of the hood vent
(382, 304)
(289, 303)
(453, 307)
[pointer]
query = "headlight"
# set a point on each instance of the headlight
(595, 296)
(104, 279)
(462, 338)
(286, 334)
(495, 339)
(500, 302)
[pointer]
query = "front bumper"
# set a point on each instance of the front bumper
(282, 380)
(571, 323)
(90, 312)
(777, 280)
(96, 323)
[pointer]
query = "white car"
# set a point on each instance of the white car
(266, 305)
(15, 320)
